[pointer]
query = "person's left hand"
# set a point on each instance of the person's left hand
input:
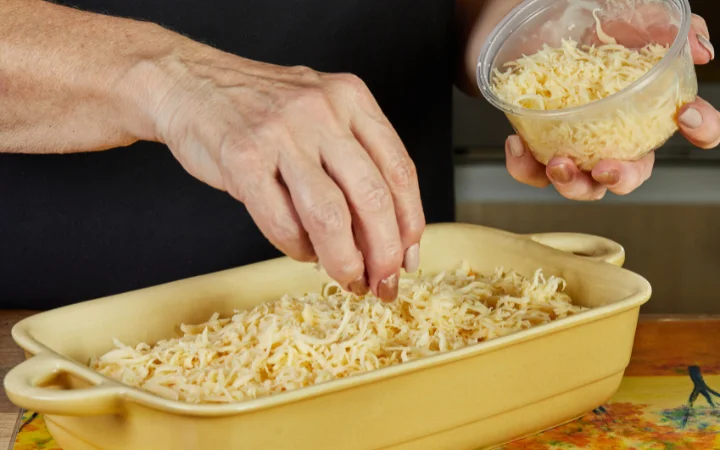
(699, 122)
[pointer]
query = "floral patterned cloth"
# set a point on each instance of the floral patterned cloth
(634, 420)
(33, 435)
(668, 400)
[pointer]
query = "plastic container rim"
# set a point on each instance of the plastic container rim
(490, 48)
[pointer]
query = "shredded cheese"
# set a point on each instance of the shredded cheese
(573, 75)
(601, 34)
(299, 341)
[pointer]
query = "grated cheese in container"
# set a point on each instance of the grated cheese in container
(571, 88)
(299, 341)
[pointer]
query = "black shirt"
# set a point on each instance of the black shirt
(81, 226)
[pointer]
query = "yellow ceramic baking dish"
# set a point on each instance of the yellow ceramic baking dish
(471, 398)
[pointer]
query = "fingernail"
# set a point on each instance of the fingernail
(388, 288)
(691, 118)
(560, 173)
(412, 259)
(360, 286)
(609, 178)
(517, 148)
(699, 20)
(705, 42)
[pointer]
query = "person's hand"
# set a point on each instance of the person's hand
(699, 122)
(311, 155)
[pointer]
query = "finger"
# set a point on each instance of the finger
(662, 32)
(374, 217)
(700, 26)
(649, 23)
(702, 49)
(270, 206)
(398, 171)
(652, 23)
(521, 164)
(700, 123)
(375, 133)
(571, 183)
(623, 177)
(325, 216)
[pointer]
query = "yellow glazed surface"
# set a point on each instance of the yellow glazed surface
(476, 397)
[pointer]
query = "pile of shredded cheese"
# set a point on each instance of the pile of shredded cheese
(573, 75)
(299, 341)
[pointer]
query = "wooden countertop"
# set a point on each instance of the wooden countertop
(671, 337)
(10, 355)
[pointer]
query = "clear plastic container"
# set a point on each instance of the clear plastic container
(649, 105)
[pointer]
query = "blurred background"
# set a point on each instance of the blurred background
(670, 227)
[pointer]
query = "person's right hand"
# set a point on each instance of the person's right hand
(311, 155)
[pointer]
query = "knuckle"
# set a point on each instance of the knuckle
(245, 169)
(272, 128)
(311, 102)
(286, 235)
(327, 217)
(415, 226)
(247, 187)
(352, 84)
(350, 80)
(389, 259)
(374, 196)
(239, 152)
(403, 174)
(347, 269)
(395, 255)
(305, 73)
(699, 21)
(285, 229)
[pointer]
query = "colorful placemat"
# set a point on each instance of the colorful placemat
(646, 413)
(33, 435)
(669, 399)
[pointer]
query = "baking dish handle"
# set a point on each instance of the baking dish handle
(22, 385)
(588, 246)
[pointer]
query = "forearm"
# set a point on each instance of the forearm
(474, 20)
(64, 79)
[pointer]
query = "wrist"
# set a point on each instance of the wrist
(146, 78)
